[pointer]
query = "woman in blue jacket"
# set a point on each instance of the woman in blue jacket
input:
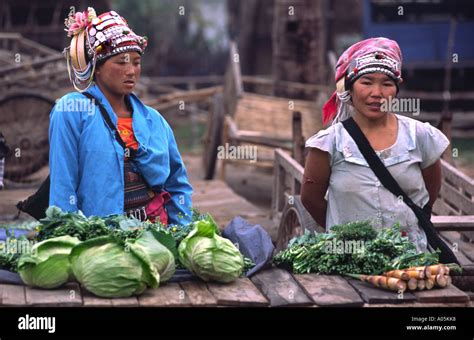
(140, 173)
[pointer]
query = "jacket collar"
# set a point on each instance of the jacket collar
(140, 114)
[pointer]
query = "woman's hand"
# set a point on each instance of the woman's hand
(315, 184)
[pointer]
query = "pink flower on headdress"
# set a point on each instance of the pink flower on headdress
(76, 22)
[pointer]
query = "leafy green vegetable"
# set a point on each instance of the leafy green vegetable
(47, 266)
(59, 223)
(415, 260)
(107, 268)
(248, 264)
(355, 231)
(352, 248)
(9, 261)
(157, 242)
(11, 250)
(208, 255)
(160, 256)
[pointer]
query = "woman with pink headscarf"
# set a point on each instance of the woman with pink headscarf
(339, 186)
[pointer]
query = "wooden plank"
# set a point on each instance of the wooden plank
(329, 290)
(467, 236)
(232, 200)
(418, 305)
(449, 294)
(125, 302)
(457, 177)
(471, 295)
(261, 80)
(280, 288)
(90, 300)
(455, 241)
(168, 295)
(223, 204)
(12, 295)
(235, 70)
(203, 186)
(223, 214)
(440, 207)
(251, 101)
(32, 64)
(68, 295)
(198, 294)
(290, 166)
(187, 96)
(205, 193)
(372, 294)
(179, 80)
(466, 270)
(256, 135)
(280, 189)
(451, 223)
(464, 282)
(267, 141)
(241, 292)
(456, 198)
(462, 259)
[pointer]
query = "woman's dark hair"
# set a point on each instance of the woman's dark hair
(349, 84)
(99, 64)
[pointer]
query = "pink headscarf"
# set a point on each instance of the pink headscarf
(366, 56)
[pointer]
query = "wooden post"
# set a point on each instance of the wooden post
(276, 177)
(298, 139)
(447, 115)
(278, 193)
(233, 85)
(193, 117)
(225, 139)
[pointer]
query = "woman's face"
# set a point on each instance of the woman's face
(370, 91)
(120, 73)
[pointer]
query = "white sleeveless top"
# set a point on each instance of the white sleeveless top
(356, 194)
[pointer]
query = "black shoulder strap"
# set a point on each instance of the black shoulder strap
(374, 161)
(386, 178)
(109, 123)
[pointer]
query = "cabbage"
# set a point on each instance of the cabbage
(47, 266)
(210, 256)
(160, 256)
(109, 269)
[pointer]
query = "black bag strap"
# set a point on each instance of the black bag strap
(36, 204)
(386, 178)
(111, 125)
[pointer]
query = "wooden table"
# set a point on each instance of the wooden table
(270, 288)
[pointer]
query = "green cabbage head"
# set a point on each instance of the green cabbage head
(47, 266)
(210, 256)
(109, 269)
(160, 256)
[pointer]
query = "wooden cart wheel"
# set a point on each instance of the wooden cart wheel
(24, 121)
(213, 136)
(295, 219)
